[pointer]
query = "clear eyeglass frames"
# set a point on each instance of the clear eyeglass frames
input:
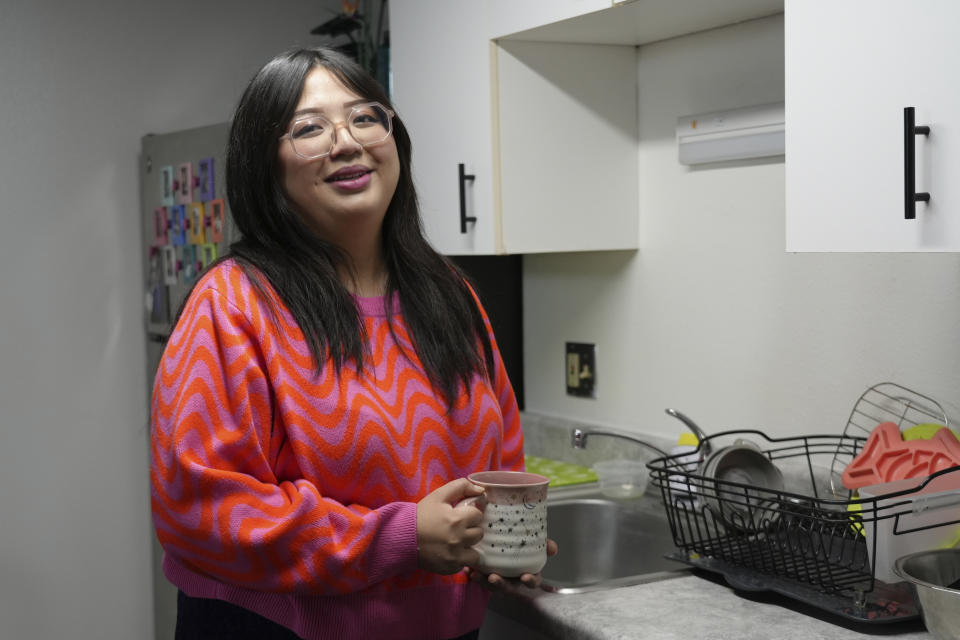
(313, 136)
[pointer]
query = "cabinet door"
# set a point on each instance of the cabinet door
(851, 68)
(511, 16)
(440, 61)
(568, 147)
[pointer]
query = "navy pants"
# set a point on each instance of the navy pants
(208, 619)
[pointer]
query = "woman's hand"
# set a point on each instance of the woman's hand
(496, 582)
(447, 529)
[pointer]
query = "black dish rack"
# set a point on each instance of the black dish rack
(808, 542)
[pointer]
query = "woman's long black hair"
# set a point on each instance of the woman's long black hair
(440, 313)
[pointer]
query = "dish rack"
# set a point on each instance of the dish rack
(815, 541)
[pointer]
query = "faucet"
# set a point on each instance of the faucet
(700, 433)
(579, 436)
(579, 439)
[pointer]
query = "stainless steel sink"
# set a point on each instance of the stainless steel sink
(606, 543)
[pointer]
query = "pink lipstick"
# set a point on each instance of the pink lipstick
(350, 178)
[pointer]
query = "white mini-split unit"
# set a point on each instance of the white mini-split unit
(737, 134)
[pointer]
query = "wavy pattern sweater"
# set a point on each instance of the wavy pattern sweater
(294, 495)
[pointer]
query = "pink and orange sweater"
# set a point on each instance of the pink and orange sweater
(294, 495)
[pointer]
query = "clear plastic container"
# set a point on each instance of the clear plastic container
(912, 522)
(680, 488)
(622, 478)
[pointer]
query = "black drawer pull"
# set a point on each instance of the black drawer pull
(464, 218)
(910, 195)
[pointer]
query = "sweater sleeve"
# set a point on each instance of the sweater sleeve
(218, 507)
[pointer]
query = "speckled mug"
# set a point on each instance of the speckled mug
(514, 522)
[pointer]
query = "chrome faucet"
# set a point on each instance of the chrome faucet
(579, 436)
(579, 439)
(700, 433)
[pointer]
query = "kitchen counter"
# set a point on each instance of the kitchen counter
(697, 605)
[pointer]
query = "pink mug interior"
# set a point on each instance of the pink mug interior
(508, 479)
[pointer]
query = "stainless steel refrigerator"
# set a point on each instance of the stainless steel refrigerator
(186, 225)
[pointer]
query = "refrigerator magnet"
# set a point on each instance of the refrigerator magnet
(160, 223)
(178, 225)
(189, 263)
(169, 254)
(205, 180)
(184, 183)
(159, 304)
(208, 254)
(157, 299)
(155, 275)
(215, 230)
(166, 186)
(196, 223)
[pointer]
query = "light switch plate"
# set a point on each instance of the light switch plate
(581, 369)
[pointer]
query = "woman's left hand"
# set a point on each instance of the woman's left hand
(496, 582)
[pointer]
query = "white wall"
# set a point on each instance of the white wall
(711, 316)
(80, 83)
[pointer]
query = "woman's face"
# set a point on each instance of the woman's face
(347, 192)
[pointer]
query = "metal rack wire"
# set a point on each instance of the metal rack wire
(805, 542)
(884, 402)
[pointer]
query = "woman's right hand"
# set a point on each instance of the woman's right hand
(447, 528)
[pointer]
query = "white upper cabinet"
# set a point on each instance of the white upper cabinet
(511, 16)
(440, 61)
(549, 170)
(537, 100)
(567, 152)
(632, 22)
(851, 69)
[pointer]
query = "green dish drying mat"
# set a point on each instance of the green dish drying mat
(560, 473)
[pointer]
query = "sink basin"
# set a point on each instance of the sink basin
(606, 543)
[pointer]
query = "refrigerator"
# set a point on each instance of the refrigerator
(186, 225)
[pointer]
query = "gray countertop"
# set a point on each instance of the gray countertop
(688, 607)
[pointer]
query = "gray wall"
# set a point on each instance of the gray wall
(711, 316)
(80, 83)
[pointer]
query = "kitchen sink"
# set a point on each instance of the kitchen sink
(606, 542)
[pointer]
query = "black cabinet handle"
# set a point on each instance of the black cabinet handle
(464, 218)
(910, 195)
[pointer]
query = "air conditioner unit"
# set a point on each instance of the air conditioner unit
(736, 134)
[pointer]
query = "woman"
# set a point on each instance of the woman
(327, 388)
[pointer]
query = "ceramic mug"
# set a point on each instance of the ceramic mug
(514, 507)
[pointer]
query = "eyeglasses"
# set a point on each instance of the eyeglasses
(313, 136)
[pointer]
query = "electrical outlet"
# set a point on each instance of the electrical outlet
(581, 369)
